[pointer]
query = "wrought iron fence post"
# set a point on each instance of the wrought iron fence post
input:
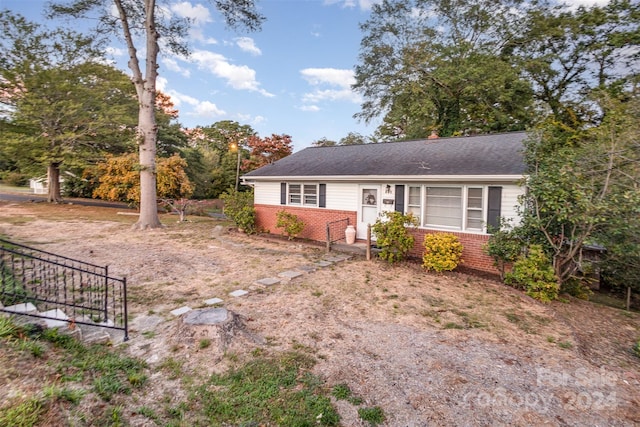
(106, 293)
(124, 303)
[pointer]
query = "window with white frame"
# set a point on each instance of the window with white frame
(414, 201)
(310, 195)
(474, 209)
(294, 197)
(451, 207)
(443, 207)
(302, 194)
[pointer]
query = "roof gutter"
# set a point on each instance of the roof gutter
(386, 178)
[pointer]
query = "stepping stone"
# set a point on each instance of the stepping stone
(290, 274)
(180, 311)
(212, 301)
(57, 314)
(324, 263)
(22, 308)
(338, 258)
(306, 268)
(269, 281)
(238, 293)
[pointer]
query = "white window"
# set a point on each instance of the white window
(310, 195)
(474, 209)
(294, 196)
(302, 194)
(414, 201)
(443, 207)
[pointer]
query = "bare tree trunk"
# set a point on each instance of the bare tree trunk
(147, 129)
(148, 198)
(53, 183)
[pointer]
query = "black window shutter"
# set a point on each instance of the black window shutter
(493, 211)
(283, 193)
(322, 196)
(400, 198)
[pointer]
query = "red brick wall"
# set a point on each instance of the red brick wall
(472, 253)
(315, 220)
(315, 229)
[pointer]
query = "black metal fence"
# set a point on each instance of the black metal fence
(60, 288)
(335, 231)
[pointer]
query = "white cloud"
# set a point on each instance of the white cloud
(331, 95)
(161, 83)
(254, 121)
(197, 14)
(311, 108)
(180, 98)
(173, 65)
(362, 4)
(238, 77)
(258, 120)
(339, 87)
(247, 44)
(114, 51)
(207, 109)
(330, 76)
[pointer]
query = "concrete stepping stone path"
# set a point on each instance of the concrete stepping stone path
(238, 293)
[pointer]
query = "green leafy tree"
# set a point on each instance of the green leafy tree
(324, 142)
(172, 138)
(143, 20)
(566, 54)
(438, 65)
(218, 147)
(63, 106)
(353, 138)
(581, 182)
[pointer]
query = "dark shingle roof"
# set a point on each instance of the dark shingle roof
(497, 154)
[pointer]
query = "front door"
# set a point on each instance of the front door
(368, 209)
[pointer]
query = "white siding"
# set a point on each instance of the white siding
(510, 195)
(266, 193)
(342, 196)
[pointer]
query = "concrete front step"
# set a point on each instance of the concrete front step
(57, 319)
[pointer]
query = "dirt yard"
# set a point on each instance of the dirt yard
(429, 349)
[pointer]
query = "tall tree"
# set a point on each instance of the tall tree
(267, 150)
(436, 65)
(581, 183)
(141, 18)
(566, 54)
(53, 100)
(324, 142)
(353, 138)
(221, 147)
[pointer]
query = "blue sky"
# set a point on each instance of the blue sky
(292, 77)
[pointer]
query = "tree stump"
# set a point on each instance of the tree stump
(218, 325)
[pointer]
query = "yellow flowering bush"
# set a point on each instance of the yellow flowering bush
(442, 252)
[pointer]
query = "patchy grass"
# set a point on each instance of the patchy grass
(277, 390)
(84, 370)
(268, 390)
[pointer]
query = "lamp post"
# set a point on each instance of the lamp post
(237, 147)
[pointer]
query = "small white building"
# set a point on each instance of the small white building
(38, 185)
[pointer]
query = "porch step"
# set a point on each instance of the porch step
(57, 319)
